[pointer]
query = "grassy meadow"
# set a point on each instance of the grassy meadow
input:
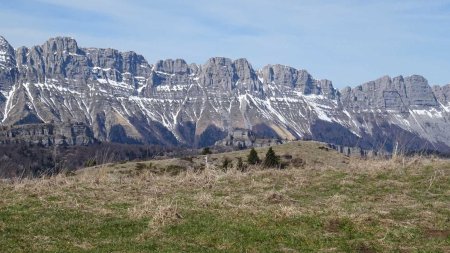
(321, 201)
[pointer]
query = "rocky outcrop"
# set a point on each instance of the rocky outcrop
(8, 72)
(229, 76)
(299, 80)
(244, 138)
(398, 93)
(442, 93)
(47, 134)
(120, 97)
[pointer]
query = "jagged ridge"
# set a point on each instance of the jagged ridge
(123, 98)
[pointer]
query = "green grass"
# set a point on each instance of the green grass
(30, 226)
(364, 206)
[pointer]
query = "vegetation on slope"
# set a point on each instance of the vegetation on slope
(325, 202)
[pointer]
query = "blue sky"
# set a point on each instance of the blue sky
(348, 41)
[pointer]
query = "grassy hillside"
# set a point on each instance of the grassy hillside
(321, 202)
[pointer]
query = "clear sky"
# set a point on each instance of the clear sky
(347, 41)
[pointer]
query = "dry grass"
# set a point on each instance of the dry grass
(331, 204)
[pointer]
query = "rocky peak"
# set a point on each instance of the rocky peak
(218, 61)
(135, 64)
(170, 74)
(228, 75)
(178, 66)
(419, 91)
(442, 93)
(279, 74)
(243, 68)
(61, 45)
(327, 89)
(218, 72)
(7, 55)
(8, 71)
(4, 44)
(63, 59)
(396, 93)
(245, 76)
(300, 80)
(105, 58)
(3, 41)
(32, 64)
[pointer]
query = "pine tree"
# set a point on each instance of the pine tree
(272, 160)
(253, 157)
(206, 151)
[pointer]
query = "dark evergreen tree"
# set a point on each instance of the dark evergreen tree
(226, 163)
(272, 160)
(206, 151)
(253, 157)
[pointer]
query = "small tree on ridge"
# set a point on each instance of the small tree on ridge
(272, 160)
(206, 151)
(253, 157)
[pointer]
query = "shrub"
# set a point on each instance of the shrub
(272, 160)
(297, 162)
(323, 148)
(240, 165)
(253, 157)
(287, 156)
(174, 170)
(70, 173)
(90, 163)
(187, 158)
(198, 168)
(206, 151)
(226, 163)
(143, 166)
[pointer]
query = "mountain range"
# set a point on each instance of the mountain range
(60, 93)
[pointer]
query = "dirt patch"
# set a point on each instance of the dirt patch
(436, 233)
(324, 148)
(364, 248)
(334, 225)
(274, 197)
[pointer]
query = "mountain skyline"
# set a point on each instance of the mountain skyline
(375, 38)
(337, 87)
(61, 93)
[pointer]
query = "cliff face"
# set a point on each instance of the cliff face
(47, 134)
(120, 97)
